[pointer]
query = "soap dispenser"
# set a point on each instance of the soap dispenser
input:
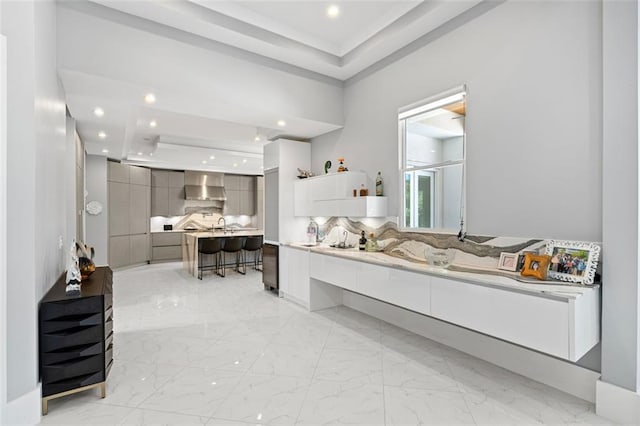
(312, 232)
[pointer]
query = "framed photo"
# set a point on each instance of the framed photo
(573, 261)
(508, 261)
(536, 265)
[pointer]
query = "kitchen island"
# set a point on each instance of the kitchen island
(191, 240)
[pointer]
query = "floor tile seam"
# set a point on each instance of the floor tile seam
(160, 388)
(313, 375)
(165, 412)
(233, 388)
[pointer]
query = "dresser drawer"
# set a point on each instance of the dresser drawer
(70, 308)
(75, 352)
(72, 368)
(65, 323)
(72, 383)
(71, 337)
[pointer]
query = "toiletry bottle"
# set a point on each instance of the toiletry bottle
(363, 241)
(372, 244)
(363, 191)
(379, 190)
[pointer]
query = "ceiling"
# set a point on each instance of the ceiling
(195, 124)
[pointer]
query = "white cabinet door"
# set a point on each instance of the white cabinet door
(298, 275)
(401, 288)
(333, 270)
(528, 320)
(302, 198)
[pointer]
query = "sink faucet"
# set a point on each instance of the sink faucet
(224, 224)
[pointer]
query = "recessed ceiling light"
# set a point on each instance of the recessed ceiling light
(213, 157)
(139, 153)
(204, 161)
(153, 123)
(151, 154)
(149, 98)
(244, 160)
(333, 11)
(99, 112)
(282, 123)
(102, 135)
(257, 139)
(235, 164)
(262, 167)
(105, 151)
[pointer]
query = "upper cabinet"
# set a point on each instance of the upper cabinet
(333, 195)
(167, 193)
(241, 195)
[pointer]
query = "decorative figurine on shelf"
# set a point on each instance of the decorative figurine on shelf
(342, 167)
(303, 174)
(85, 255)
(73, 271)
(327, 166)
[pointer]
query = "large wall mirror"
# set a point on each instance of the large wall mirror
(432, 146)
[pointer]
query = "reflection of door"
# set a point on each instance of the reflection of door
(419, 198)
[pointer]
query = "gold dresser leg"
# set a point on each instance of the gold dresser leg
(103, 390)
(45, 406)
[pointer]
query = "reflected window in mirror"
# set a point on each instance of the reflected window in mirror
(432, 147)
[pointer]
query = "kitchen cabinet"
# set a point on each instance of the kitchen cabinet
(166, 246)
(129, 210)
(241, 195)
(167, 193)
(294, 279)
(332, 195)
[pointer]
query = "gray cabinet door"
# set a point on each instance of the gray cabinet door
(231, 182)
(176, 179)
(232, 205)
(118, 208)
(138, 209)
(167, 253)
(166, 239)
(159, 201)
(119, 251)
(139, 175)
(176, 201)
(247, 183)
(139, 249)
(160, 178)
(118, 172)
(247, 203)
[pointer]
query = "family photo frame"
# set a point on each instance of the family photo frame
(573, 261)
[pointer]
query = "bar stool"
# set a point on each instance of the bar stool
(254, 244)
(233, 245)
(208, 247)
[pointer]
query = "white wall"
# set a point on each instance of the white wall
(533, 73)
(36, 152)
(97, 227)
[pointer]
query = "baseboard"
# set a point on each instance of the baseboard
(618, 404)
(554, 372)
(294, 299)
(25, 410)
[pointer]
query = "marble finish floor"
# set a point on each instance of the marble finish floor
(222, 351)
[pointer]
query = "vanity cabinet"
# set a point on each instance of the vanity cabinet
(332, 195)
(294, 275)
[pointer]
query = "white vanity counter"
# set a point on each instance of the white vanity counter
(563, 321)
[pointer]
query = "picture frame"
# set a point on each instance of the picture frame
(573, 261)
(536, 265)
(508, 261)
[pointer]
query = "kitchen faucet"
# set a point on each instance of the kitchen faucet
(224, 224)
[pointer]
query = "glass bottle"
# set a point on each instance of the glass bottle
(372, 244)
(362, 242)
(379, 188)
(363, 191)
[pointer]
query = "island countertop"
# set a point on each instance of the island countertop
(190, 244)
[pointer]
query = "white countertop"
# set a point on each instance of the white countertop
(482, 277)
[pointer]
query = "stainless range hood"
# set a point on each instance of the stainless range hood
(203, 186)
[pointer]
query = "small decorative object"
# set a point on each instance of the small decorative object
(363, 191)
(536, 265)
(379, 187)
(303, 174)
(341, 167)
(85, 254)
(327, 166)
(442, 258)
(73, 271)
(362, 243)
(355, 192)
(508, 261)
(573, 261)
(371, 244)
(94, 208)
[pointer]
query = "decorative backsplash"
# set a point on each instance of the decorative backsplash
(475, 250)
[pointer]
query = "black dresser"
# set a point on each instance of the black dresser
(76, 337)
